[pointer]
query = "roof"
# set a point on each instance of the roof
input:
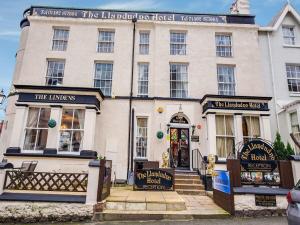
(278, 19)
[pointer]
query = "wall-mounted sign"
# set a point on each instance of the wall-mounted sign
(122, 15)
(259, 163)
(265, 200)
(221, 181)
(195, 138)
(231, 105)
(176, 119)
(154, 179)
(59, 98)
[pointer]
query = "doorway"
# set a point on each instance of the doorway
(180, 148)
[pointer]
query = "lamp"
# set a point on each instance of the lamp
(193, 129)
(180, 113)
(2, 97)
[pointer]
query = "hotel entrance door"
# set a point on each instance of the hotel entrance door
(179, 148)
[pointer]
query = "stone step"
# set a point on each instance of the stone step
(189, 186)
(186, 177)
(190, 192)
(188, 181)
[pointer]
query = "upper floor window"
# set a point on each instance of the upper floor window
(106, 41)
(178, 43)
(223, 45)
(143, 79)
(36, 130)
(141, 137)
(144, 42)
(179, 80)
(288, 35)
(55, 72)
(226, 80)
(60, 39)
(293, 77)
(71, 130)
(103, 77)
(225, 135)
(294, 123)
(251, 127)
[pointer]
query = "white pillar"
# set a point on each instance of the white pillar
(211, 133)
(89, 129)
(54, 132)
(18, 126)
(2, 179)
(266, 127)
(92, 187)
(238, 128)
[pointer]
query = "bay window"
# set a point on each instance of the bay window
(36, 130)
(225, 135)
(71, 130)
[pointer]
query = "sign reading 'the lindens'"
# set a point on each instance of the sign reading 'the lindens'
(59, 98)
(122, 15)
(230, 105)
(154, 179)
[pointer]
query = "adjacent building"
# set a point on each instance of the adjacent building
(280, 47)
(131, 85)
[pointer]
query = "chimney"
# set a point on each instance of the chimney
(240, 7)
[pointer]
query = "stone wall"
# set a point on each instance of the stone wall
(28, 212)
(245, 206)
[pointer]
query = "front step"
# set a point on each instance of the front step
(188, 183)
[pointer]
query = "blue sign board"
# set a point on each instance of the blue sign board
(221, 181)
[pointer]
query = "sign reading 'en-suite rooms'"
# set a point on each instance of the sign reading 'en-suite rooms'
(59, 98)
(232, 105)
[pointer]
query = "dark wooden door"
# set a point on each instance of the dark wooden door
(180, 147)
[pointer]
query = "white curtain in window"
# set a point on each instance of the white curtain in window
(255, 127)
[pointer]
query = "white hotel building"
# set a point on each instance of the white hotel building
(131, 85)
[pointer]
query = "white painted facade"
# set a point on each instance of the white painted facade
(276, 55)
(107, 132)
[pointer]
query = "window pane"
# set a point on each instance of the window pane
(246, 126)
(32, 118)
(255, 127)
(77, 141)
(65, 140)
(221, 147)
(179, 81)
(141, 137)
(44, 117)
(60, 39)
(106, 41)
(42, 139)
(55, 72)
(223, 45)
(226, 80)
(30, 137)
(103, 77)
(67, 117)
(229, 125)
(143, 79)
(220, 128)
(177, 43)
(78, 122)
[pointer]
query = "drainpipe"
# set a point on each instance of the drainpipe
(273, 80)
(130, 156)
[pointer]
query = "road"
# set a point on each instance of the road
(233, 221)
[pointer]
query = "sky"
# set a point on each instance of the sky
(11, 12)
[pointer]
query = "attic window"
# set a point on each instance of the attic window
(288, 35)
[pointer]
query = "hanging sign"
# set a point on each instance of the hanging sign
(259, 163)
(154, 179)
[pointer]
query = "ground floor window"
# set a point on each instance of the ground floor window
(225, 135)
(251, 128)
(36, 130)
(71, 130)
(294, 123)
(141, 137)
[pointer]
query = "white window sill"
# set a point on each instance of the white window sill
(295, 94)
(291, 46)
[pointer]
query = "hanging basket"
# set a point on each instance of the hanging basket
(51, 123)
(159, 134)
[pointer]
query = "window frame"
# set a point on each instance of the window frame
(136, 137)
(146, 44)
(69, 152)
(35, 128)
(177, 44)
(292, 38)
(105, 80)
(111, 42)
(218, 53)
(140, 81)
(297, 79)
(57, 78)
(225, 136)
(64, 41)
(234, 83)
(183, 82)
